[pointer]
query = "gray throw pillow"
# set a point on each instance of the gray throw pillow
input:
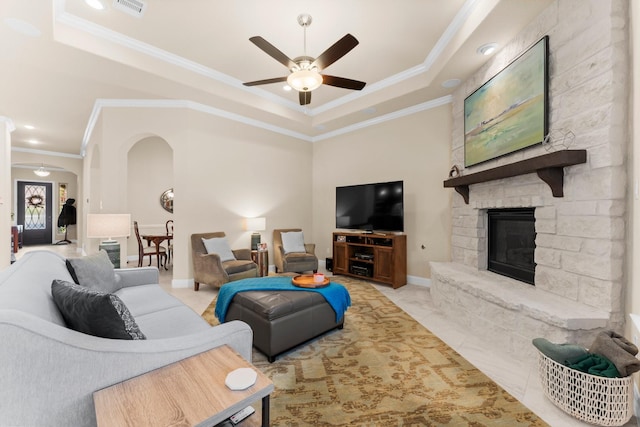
(293, 242)
(220, 246)
(95, 272)
(95, 313)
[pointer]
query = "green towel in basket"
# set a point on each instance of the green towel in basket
(595, 364)
(561, 353)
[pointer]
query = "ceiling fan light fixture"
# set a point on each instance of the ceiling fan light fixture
(304, 80)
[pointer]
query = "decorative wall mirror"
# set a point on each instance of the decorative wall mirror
(166, 200)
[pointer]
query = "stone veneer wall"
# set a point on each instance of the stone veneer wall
(580, 243)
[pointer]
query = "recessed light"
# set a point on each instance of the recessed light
(22, 27)
(96, 4)
(33, 141)
(450, 83)
(487, 49)
(30, 127)
(286, 88)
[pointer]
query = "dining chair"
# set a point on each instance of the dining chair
(150, 251)
(169, 226)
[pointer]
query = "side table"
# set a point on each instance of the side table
(190, 392)
(262, 259)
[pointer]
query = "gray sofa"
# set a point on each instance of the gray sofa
(49, 371)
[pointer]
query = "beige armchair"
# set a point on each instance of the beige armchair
(209, 268)
(293, 261)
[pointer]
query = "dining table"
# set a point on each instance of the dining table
(157, 239)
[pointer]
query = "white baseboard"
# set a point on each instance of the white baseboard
(187, 283)
(420, 281)
(411, 280)
(182, 283)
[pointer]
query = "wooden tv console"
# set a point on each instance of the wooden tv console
(379, 257)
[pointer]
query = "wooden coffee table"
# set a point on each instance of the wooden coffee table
(189, 392)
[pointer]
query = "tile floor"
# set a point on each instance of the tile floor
(519, 380)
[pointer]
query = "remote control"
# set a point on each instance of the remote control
(241, 415)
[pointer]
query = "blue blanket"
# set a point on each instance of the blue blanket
(336, 295)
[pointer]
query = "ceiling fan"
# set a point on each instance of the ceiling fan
(305, 71)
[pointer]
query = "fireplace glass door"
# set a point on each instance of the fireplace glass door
(512, 243)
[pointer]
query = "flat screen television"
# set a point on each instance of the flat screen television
(371, 207)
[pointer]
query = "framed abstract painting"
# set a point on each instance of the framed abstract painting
(510, 111)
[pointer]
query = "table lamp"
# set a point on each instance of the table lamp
(109, 226)
(255, 225)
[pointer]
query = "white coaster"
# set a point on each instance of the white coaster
(241, 378)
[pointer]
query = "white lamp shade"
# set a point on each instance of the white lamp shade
(256, 224)
(108, 225)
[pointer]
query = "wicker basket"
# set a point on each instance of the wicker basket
(597, 400)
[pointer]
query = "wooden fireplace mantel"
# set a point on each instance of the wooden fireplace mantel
(549, 167)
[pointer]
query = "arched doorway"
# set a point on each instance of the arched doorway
(149, 176)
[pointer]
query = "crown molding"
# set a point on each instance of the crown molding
(46, 153)
(66, 18)
(37, 166)
(73, 21)
(449, 33)
(387, 117)
(100, 104)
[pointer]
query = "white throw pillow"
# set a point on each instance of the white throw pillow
(220, 246)
(293, 241)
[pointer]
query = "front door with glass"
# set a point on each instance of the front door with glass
(35, 206)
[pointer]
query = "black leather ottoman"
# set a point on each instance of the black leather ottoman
(282, 320)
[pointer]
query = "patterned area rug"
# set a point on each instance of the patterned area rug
(383, 368)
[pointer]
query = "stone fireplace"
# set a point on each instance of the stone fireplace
(580, 244)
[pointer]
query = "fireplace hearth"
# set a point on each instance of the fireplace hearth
(512, 243)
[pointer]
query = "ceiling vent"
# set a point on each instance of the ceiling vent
(132, 7)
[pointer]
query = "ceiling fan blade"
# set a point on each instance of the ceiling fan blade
(342, 82)
(335, 52)
(305, 98)
(272, 51)
(266, 81)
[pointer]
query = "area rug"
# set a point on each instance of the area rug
(383, 369)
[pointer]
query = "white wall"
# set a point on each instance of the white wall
(414, 149)
(223, 171)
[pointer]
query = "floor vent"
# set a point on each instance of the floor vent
(132, 7)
